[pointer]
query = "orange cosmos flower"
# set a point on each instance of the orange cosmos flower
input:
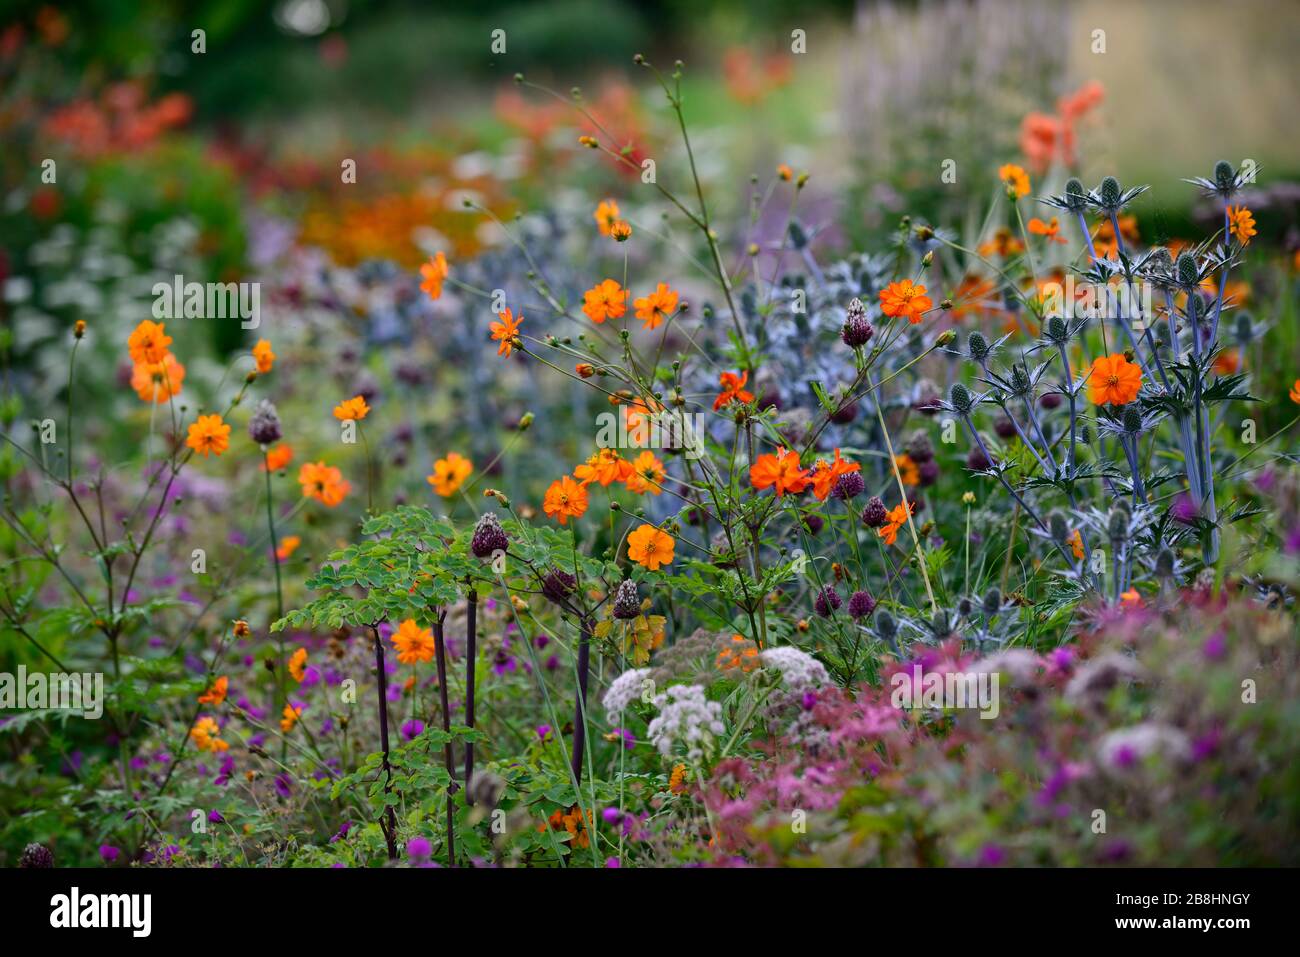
(506, 332)
(1016, 179)
(647, 475)
(650, 547)
(157, 381)
(908, 470)
(656, 307)
(1104, 241)
(298, 665)
(450, 473)
(606, 467)
(565, 499)
(826, 474)
(1004, 243)
(414, 644)
(605, 300)
(585, 369)
(217, 693)
(621, 231)
(785, 172)
(733, 389)
(896, 518)
(263, 355)
(353, 409)
(148, 342)
(205, 733)
(323, 482)
(277, 457)
(1075, 541)
(290, 718)
(781, 470)
(240, 629)
(973, 295)
(1295, 392)
(905, 298)
(288, 547)
(434, 272)
(1131, 598)
(209, 435)
(606, 216)
(1113, 380)
(1241, 223)
(1227, 362)
(1049, 229)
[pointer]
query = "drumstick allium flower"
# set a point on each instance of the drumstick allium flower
(450, 473)
(780, 470)
(263, 356)
(905, 298)
(1113, 380)
(414, 644)
(148, 342)
(565, 499)
(353, 409)
(433, 273)
(605, 300)
(209, 435)
(656, 307)
(650, 547)
(733, 389)
(506, 332)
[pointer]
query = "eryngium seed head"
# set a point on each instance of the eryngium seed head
(964, 608)
(558, 586)
(1076, 197)
(939, 625)
(1245, 330)
(1057, 330)
(928, 472)
(826, 602)
(264, 426)
(489, 537)
(960, 398)
(1224, 175)
(627, 603)
(1165, 563)
(875, 514)
(886, 625)
(1109, 192)
(1019, 380)
(992, 603)
(1117, 525)
(36, 855)
(849, 486)
(798, 238)
(1058, 527)
(1195, 307)
(1186, 270)
(1132, 419)
(1161, 262)
(861, 604)
(977, 346)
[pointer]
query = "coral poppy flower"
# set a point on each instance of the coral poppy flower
(1015, 178)
(209, 434)
(414, 644)
(650, 547)
(287, 547)
(323, 482)
(606, 216)
(1049, 229)
(908, 470)
(506, 332)
(205, 733)
(904, 298)
(656, 307)
(607, 466)
(298, 665)
(290, 717)
(565, 499)
(263, 355)
(605, 300)
(158, 381)
(1113, 380)
(450, 473)
(733, 389)
(353, 409)
(278, 456)
(1241, 222)
(826, 474)
(781, 470)
(148, 342)
(434, 272)
(647, 474)
(895, 519)
(217, 693)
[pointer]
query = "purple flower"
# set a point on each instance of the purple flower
(1216, 646)
(543, 731)
(419, 849)
(108, 853)
(991, 855)
(282, 786)
(412, 729)
(826, 602)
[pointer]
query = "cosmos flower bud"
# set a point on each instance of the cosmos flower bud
(946, 338)
(1186, 270)
(861, 604)
(961, 399)
(627, 603)
(977, 346)
(992, 603)
(488, 537)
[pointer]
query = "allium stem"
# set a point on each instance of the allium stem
(388, 820)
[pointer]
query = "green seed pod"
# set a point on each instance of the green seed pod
(1075, 195)
(992, 601)
(977, 346)
(961, 399)
(1186, 271)
(1109, 191)
(1224, 175)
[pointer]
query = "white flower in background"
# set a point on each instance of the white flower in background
(1122, 749)
(799, 670)
(687, 718)
(624, 689)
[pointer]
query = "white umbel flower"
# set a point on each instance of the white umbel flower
(623, 690)
(687, 718)
(800, 671)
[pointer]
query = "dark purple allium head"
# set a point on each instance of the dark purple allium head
(35, 856)
(875, 514)
(1050, 400)
(627, 603)
(857, 330)
(861, 604)
(489, 537)
(920, 448)
(826, 602)
(264, 426)
(928, 472)
(845, 414)
(977, 461)
(849, 486)
(813, 522)
(928, 401)
(558, 585)
(1004, 427)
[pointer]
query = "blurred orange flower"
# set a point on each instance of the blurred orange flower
(287, 547)
(650, 547)
(434, 272)
(1016, 179)
(298, 665)
(733, 389)
(217, 693)
(264, 356)
(605, 300)
(656, 307)
(414, 644)
(157, 381)
(148, 342)
(323, 482)
(353, 409)
(278, 456)
(209, 434)
(450, 473)
(606, 216)
(780, 470)
(506, 331)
